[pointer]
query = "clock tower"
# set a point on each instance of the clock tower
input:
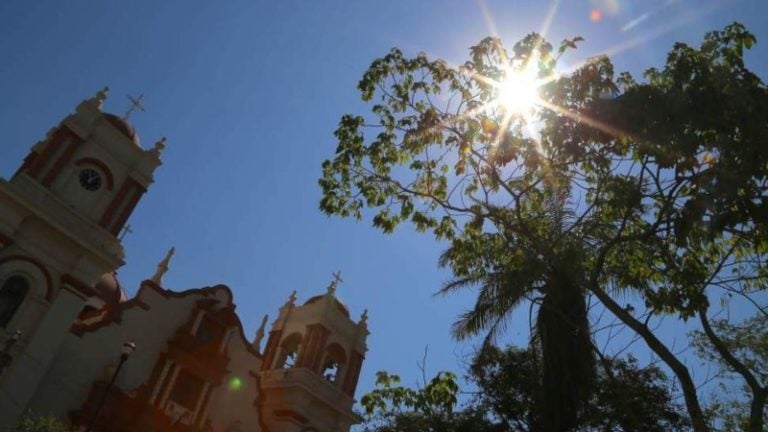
(60, 218)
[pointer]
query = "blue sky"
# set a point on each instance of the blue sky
(249, 93)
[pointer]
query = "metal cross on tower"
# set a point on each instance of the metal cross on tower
(135, 105)
(126, 230)
(335, 282)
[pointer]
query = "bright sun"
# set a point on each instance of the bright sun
(518, 92)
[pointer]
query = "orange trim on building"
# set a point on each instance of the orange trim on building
(145, 391)
(271, 349)
(200, 418)
(113, 315)
(259, 402)
(59, 136)
(188, 353)
(137, 192)
(65, 157)
(109, 213)
(28, 161)
(353, 373)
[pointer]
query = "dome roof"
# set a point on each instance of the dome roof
(123, 126)
(342, 307)
(108, 289)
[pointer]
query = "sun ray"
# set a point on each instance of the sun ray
(488, 18)
(645, 16)
(658, 31)
(551, 12)
(580, 117)
(503, 125)
(517, 92)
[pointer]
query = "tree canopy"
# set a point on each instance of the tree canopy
(605, 185)
(38, 423)
(506, 381)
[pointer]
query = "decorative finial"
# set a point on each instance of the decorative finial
(162, 267)
(101, 96)
(160, 144)
(260, 334)
(335, 283)
(363, 318)
(291, 299)
(135, 105)
(159, 147)
(96, 101)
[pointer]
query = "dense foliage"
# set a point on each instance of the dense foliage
(747, 342)
(626, 398)
(37, 423)
(611, 185)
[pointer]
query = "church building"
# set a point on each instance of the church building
(73, 346)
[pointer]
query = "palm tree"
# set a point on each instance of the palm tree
(561, 332)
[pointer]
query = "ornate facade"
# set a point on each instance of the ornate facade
(64, 315)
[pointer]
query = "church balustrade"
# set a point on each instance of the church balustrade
(298, 381)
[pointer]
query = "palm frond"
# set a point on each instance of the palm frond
(458, 284)
(499, 295)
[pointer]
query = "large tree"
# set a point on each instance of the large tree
(506, 383)
(658, 187)
(561, 331)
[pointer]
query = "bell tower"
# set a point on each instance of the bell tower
(311, 366)
(61, 214)
(93, 164)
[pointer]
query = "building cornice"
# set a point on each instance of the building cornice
(94, 246)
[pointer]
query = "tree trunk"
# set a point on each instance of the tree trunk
(562, 328)
(692, 405)
(758, 392)
(756, 411)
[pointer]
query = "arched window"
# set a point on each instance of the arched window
(333, 362)
(12, 293)
(289, 351)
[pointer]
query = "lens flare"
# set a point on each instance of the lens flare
(518, 91)
(235, 384)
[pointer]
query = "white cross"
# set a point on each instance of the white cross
(135, 105)
(337, 277)
(336, 281)
(126, 230)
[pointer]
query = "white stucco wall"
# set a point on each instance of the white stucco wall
(34, 359)
(82, 360)
(231, 407)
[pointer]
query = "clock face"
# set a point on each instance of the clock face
(90, 180)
